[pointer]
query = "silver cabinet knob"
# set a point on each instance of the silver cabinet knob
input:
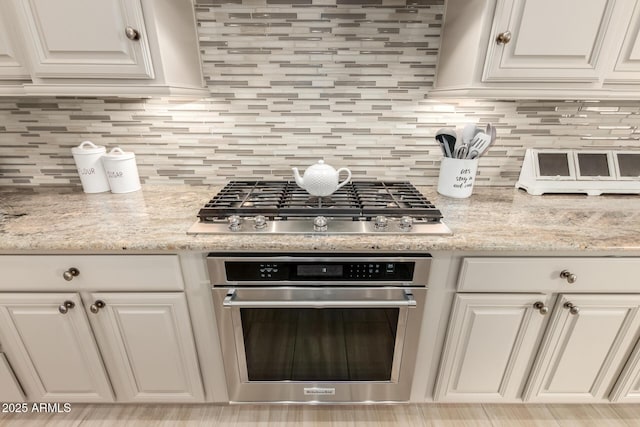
(539, 305)
(572, 308)
(504, 38)
(64, 308)
(96, 306)
(566, 274)
(132, 33)
(70, 274)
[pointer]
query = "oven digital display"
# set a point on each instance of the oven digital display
(330, 270)
(324, 271)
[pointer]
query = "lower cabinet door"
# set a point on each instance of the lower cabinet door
(588, 340)
(148, 346)
(490, 346)
(9, 388)
(627, 388)
(52, 351)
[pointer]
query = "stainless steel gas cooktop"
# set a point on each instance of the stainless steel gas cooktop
(281, 207)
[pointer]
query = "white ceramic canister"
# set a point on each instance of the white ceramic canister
(88, 161)
(457, 177)
(122, 171)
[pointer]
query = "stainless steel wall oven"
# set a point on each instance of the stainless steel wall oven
(321, 327)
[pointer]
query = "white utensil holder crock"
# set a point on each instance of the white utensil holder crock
(88, 158)
(122, 171)
(457, 177)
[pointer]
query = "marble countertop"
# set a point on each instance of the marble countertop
(41, 219)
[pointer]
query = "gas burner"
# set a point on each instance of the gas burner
(281, 207)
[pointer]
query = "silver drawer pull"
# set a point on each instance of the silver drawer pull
(572, 308)
(70, 274)
(64, 308)
(132, 33)
(539, 305)
(570, 277)
(96, 306)
(504, 38)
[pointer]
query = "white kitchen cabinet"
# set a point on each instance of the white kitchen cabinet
(13, 73)
(626, 70)
(549, 274)
(490, 345)
(581, 354)
(551, 40)
(85, 38)
(148, 346)
(10, 390)
(627, 388)
(51, 348)
(11, 67)
(516, 49)
(587, 342)
(118, 321)
(108, 47)
(91, 273)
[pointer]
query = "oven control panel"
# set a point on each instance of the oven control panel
(305, 271)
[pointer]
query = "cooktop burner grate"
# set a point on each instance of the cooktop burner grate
(281, 200)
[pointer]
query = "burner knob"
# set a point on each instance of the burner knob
(406, 222)
(320, 223)
(234, 222)
(260, 222)
(380, 222)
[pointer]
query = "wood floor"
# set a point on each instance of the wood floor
(343, 415)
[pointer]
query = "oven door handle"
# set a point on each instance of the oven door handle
(231, 301)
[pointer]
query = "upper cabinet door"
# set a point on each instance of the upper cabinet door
(627, 65)
(11, 67)
(551, 40)
(85, 38)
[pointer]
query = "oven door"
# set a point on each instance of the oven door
(319, 344)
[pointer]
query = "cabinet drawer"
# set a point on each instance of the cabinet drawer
(10, 391)
(96, 272)
(544, 275)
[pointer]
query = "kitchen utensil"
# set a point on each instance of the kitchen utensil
(320, 179)
(462, 147)
(468, 133)
(443, 142)
(88, 161)
(122, 171)
(491, 131)
(447, 138)
(478, 145)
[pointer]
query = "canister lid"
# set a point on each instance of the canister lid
(88, 147)
(117, 154)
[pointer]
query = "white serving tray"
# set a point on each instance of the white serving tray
(591, 172)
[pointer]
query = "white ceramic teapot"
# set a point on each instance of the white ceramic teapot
(321, 179)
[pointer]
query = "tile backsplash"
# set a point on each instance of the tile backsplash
(293, 81)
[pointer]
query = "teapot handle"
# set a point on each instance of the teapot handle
(346, 180)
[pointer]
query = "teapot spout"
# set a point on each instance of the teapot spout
(298, 178)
